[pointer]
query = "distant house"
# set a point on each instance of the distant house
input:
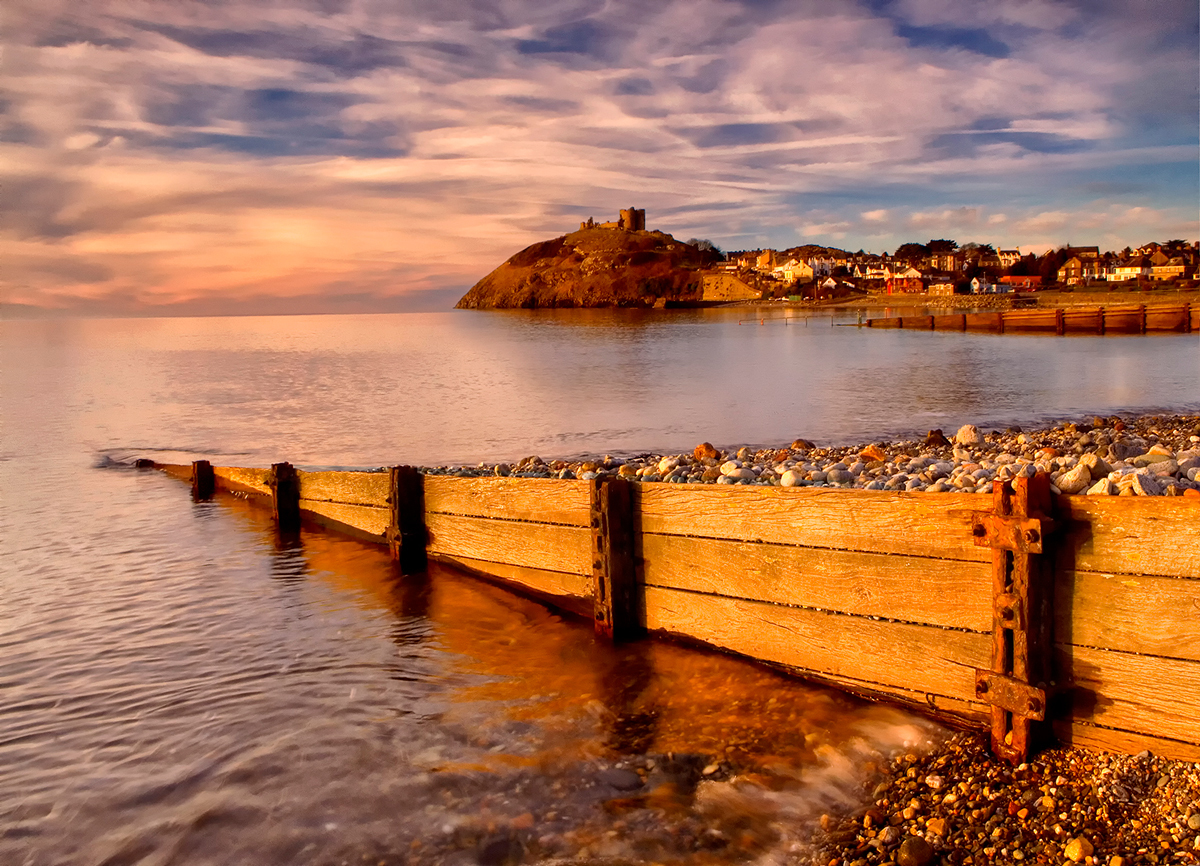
(1008, 258)
(1027, 283)
(794, 272)
(904, 281)
(1132, 269)
(1071, 272)
(943, 287)
(1172, 269)
(945, 261)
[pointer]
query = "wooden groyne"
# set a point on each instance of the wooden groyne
(1025, 612)
(1125, 319)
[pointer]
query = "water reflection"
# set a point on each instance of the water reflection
(529, 737)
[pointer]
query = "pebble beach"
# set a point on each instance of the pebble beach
(1148, 455)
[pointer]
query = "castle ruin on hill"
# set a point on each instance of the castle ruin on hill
(630, 219)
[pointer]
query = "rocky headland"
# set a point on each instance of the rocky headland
(1157, 455)
(594, 267)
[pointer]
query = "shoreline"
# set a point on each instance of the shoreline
(960, 806)
(1141, 455)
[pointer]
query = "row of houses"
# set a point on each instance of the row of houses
(942, 273)
(1088, 265)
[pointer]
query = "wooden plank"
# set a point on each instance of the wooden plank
(367, 519)
(1122, 742)
(917, 323)
(554, 584)
(1139, 614)
(950, 322)
(993, 322)
(1129, 535)
(533, 545)
(946, 708)
(1124, 320)
(913, 524)
(914, 589)
(913, 657)
(1083, 321)
(243, 480)
(1142, 694)
(542, 500)
(183, 473)
(353, 488)
(1031, 320)
(1167, 318)
(1195, 315)
(890, 322)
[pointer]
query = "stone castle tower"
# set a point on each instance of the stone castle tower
(633, 219)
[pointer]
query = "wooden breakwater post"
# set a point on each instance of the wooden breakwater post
(284, 484)
(1022, 617)
(406, 534)
(204, 483)
(614, 580)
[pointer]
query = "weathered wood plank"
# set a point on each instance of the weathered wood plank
(914, 589)
(1122, 742)
(352, 488)
(183, 473)
(554, 584)
(243, 480)
(1129, 535)
(913, 524)
(1142, 694)
(1167, 318)
(913, 657)
(542, 500)
(533, 545)
(367, 519)
(1140, 614)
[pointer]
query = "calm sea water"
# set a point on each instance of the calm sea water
(178, 685)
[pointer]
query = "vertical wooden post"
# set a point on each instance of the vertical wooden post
(285, 496)
(1060, 322)
(1022, 621)
(406, 534)
(614, 587)
(203, 481)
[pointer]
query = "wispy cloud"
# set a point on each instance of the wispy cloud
(300, 153)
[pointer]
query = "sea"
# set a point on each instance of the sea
(181, 685)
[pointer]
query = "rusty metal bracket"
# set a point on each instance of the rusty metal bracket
(1018, 534)
(1018, 698)
(1022, 618)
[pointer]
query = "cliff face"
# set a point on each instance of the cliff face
(593, 268)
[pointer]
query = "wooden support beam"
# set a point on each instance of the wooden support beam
(285, 496)
(203, 481)
(1022, 621)
(614, 596)
(406, 532)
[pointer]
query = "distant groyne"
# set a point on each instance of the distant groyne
(1123, 319)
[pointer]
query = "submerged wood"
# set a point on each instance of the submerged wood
(884, 594)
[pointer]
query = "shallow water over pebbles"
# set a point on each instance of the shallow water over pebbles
(179, 685)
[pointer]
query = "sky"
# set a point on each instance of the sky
(324, 156)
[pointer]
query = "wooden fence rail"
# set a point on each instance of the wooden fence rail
(905, 596)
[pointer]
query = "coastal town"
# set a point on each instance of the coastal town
(942, 267)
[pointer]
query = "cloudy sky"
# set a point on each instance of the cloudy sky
(247, 156)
